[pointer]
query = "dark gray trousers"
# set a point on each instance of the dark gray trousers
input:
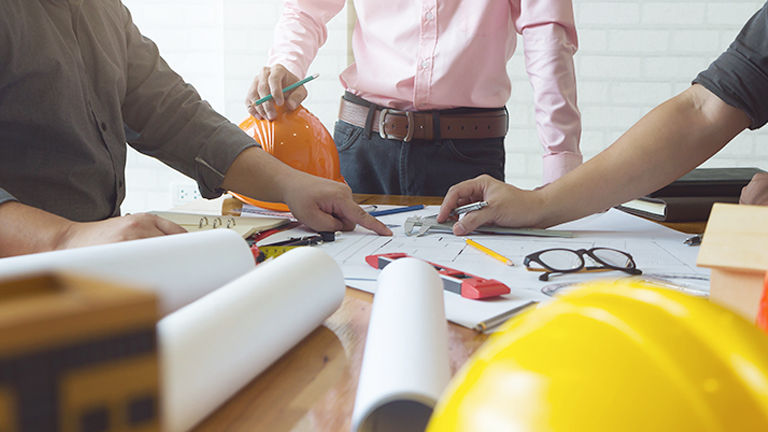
(375, 165)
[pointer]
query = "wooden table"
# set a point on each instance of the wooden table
(313, 386)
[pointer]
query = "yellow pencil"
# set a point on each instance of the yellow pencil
(484, 249)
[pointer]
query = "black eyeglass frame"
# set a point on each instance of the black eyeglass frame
(534, 257)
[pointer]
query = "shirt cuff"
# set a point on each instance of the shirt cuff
(214, 159)
(293, 67)
(557, 165)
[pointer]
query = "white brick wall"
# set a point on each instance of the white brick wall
(219, 46)
(633, 55)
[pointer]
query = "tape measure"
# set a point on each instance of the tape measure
(455, 281)
(275, 251)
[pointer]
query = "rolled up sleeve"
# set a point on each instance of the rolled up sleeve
(300, 32)
(550, 41)
(740, 75)
(173, 123)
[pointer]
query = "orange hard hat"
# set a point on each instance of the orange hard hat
(299, 140)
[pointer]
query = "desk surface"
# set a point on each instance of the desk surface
(313, 386)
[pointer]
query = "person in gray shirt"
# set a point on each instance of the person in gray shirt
(78, 81)
(675, 137)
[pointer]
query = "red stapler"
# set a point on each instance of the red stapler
(464, 284)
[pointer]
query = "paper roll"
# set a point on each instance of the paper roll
(214, 346)
(405, 364)
(179, 268)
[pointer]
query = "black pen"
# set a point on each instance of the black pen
(310, 240)
(294, 241)
(694, 241)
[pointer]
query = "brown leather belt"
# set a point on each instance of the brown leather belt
(407, 125)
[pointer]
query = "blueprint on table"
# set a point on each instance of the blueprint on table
(657, 250)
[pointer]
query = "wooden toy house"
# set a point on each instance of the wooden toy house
(77, 355)
(735, 248)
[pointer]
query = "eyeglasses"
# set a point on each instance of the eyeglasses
(571, 261)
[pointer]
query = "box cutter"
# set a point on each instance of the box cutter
(467, 285)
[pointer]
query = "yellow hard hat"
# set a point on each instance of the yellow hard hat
(614, 356)
(300, 140)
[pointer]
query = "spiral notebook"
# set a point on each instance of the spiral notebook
(245, 226)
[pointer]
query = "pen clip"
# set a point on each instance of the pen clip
(461, 210)
(469, 207)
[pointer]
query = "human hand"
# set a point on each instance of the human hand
(272, 80)
(507, 205)
(756, 191)
(129, 227)
(326, 205)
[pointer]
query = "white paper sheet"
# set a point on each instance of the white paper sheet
(179, 268)
(405, 363)
(657, 250)
(216, 345)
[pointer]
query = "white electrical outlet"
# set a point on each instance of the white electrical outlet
(184, 192)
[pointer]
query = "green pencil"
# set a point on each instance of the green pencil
(287, 89)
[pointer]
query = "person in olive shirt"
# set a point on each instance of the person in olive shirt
(78, 80)
(675, 137)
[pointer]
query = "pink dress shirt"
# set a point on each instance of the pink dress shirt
(440, 54)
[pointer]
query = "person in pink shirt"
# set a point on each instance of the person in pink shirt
(424, 101)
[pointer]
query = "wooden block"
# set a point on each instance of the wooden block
(737, 291)
(735, 247)
(77, 354)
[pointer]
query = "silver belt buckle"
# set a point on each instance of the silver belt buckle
(408, 115)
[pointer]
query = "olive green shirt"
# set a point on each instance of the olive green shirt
(76, 77)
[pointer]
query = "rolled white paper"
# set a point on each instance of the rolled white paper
(213, 347)
(179, 268)
(405, 364)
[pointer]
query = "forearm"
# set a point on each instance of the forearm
(674, 138)
(257, 174)
(25, 229)
(321, 204)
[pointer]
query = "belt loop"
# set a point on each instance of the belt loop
(436, 136)
(369, 120)
(506, 120)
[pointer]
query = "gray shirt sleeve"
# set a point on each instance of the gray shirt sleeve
(172, 122)
(740, 75)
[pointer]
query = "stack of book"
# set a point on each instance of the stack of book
(690, 198)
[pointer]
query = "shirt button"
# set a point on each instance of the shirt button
(429, 16)
(424, 64)
(103, 126)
